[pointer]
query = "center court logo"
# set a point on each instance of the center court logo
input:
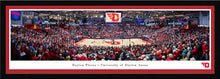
(116, 42)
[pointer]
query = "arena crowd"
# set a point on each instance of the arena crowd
(60, 44)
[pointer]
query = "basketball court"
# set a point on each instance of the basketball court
(109, 42)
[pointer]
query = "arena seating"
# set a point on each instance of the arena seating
(60, 43)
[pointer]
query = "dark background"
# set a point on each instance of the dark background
(112, 76)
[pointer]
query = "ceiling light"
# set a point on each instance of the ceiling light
(101, 16)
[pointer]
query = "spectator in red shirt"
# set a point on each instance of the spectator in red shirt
(205, 49)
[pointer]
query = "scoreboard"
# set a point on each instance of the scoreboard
(113, 17)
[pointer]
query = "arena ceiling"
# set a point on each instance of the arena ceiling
(129, 14)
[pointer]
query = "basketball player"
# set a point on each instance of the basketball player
(93, 42)
(113, 41)
(103, 40)
(122, 41)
